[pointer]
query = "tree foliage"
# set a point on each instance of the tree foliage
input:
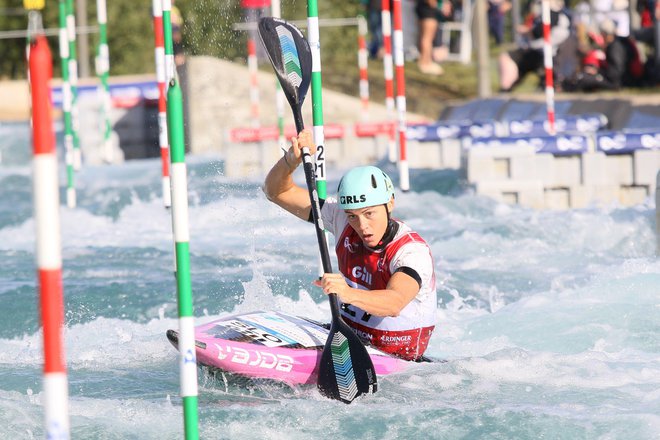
(207, 30)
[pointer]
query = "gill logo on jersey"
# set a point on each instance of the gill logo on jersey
(255, 358)
(362, 274)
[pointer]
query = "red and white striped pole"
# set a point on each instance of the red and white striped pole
(49, 248)
(159, 52)
(388, 68)
(254, 83)
(363, 64)
(547, 62)
(404, 178)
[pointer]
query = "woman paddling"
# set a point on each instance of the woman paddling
(387, 284)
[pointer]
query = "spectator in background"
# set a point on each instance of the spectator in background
(649, 35)
(497, 9)
(515, 65)
(429, 12)
(373, 10)
(623, 66)
(445, 13)
(177, 36)
(617, 63)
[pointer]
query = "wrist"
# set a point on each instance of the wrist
(290, 160)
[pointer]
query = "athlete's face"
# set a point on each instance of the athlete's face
(370, 223)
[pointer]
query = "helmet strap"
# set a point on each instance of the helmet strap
(390, 232)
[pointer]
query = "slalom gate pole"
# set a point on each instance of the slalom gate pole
(175, 129)
(313, 36)
(159, 56)
(253, 70)
(167, 40)
(317, 95)
(103, 72)
(363, 65)
(388, 70)
(66, 108)
(547, 63)
(49, 248)
(73, 80)
(404, 178)
(276, 11)
(187, 358)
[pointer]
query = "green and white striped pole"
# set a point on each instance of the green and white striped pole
(178, 176)
(103, 71)
(317, 103)
(66, 107)
(317, 98)
(73, 80)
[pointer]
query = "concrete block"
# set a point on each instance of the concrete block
(646, 164)
(598, 195)
(451, 153)
(478, 167)
(353, 152)
(557, 198)
(382, 147)
(633, 195)
(424, 155)
(523, 167)
(533, 167)
(545, 169)
(620, 169)
(495, 163)
(594, 169)
(567, 171)
(526, 193)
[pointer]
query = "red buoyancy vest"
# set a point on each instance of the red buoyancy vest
(407, 335)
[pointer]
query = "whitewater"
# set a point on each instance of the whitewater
(549, 321)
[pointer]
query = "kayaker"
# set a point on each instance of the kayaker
(386, 287)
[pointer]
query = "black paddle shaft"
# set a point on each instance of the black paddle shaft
(310, 179)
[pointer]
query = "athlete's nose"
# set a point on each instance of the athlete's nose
(362, 224)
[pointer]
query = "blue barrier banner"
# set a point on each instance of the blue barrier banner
(450, 130)
(123, 93)
(588, 123)
(623, 142)
(579, 123)
(560, 145)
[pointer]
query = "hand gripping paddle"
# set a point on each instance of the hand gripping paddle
(345, 370)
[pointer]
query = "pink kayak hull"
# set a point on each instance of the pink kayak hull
(268, 360)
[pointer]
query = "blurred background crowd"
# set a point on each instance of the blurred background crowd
(597, 44)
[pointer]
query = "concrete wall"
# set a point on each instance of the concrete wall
(220, 101)
(520, 175)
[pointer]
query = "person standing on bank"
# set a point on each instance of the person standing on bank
(386, 287)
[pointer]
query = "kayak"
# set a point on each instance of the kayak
(271, 345)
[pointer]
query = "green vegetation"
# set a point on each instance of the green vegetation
(208, 30)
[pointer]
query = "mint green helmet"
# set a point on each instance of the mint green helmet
(364, 186)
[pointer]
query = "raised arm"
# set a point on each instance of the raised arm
(279, 186)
